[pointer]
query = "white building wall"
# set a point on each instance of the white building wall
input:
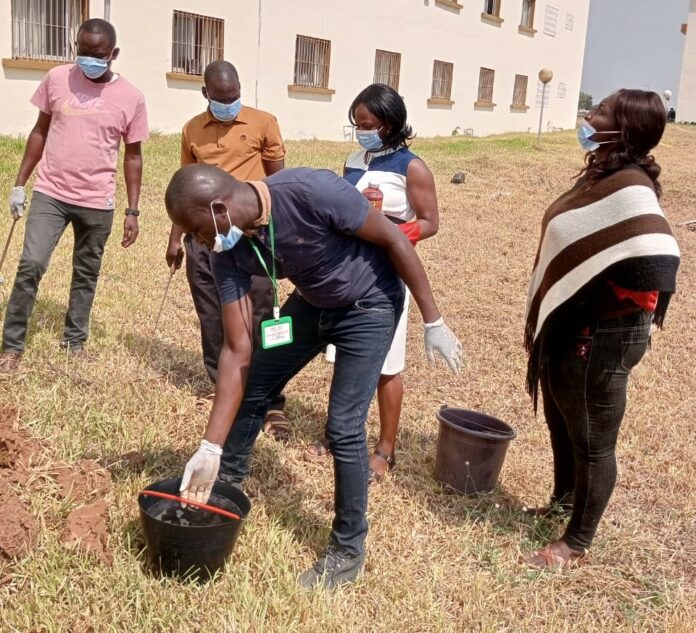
(260, 41)
(686, 106)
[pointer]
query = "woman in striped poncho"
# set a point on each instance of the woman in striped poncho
(604, 272)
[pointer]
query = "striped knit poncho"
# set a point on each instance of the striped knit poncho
(611, 228)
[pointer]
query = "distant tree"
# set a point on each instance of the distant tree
(585, 101)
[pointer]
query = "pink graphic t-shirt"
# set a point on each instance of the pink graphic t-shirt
(88, 120)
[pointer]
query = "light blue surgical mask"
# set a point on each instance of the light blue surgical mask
(369, 139)
(225, 112)
(586, 131)
(92, 67)
(229, 241)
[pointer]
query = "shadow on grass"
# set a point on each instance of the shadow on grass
(155, 464)
(49, 315)
(182, 367)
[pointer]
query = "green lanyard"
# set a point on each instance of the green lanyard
(272, 274)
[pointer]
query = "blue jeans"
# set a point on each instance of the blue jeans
(584, 389)
(362, 334)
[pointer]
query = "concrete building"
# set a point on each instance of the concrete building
(686, 106)
(465, 65)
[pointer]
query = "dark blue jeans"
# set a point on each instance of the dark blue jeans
(362, 334)
(584, 389)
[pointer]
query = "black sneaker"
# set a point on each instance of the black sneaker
(337, 567)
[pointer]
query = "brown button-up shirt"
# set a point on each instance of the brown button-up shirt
(238, 147)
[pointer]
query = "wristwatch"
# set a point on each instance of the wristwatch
(134, 212)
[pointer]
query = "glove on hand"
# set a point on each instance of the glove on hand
(200, 472)
(439, 338)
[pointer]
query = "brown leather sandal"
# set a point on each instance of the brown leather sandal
(375, 477)
(277, 425)
(546, 558)
(318, 451)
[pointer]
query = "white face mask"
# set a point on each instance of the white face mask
(229, 241)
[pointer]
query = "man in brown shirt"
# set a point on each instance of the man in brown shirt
(246, 143)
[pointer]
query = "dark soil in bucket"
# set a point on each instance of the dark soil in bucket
(174, 512)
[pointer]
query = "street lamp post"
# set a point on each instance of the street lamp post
(545, 76)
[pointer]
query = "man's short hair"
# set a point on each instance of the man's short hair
(220, 69)
(99, 27)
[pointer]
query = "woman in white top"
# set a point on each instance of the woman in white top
(410, 201)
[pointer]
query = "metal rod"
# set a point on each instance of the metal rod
(7, 246)
(172, 270)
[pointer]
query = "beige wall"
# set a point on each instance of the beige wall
(686, 106)
(260, 41)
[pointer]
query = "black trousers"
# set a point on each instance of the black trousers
(207, 302)
(584, 388)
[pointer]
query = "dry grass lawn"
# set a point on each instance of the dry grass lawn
(437, 561)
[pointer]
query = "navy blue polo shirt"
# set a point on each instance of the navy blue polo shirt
(315, 215)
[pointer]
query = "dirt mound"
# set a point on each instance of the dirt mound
(83, 481)
(18, 529)
(87, 530)
(16, 446)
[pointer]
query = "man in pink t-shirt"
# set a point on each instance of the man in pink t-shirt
(85, 110)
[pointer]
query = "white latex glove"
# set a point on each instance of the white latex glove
(18, 200)
(200, 472)
(439, 338)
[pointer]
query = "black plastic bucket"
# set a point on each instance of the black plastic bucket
(188, 551)
(471, 448)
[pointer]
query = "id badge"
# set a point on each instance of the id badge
(276, 332)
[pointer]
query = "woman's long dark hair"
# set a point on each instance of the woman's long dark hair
(387, 105)
(641, 117)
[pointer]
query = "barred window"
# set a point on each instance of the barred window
(492, 7)
(197, 40)
(46, 29)
(570, 21)
(562, 90)
(442, 80)
(519, 93)
(550, 20)
(540, 92)
(485, 87)
(528, 7)
(387, 67)
(312, 58)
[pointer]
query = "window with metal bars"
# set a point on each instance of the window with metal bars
(46, 29)
(485, 87)
(442, 80)
(519, 94)
(562, 90)
(550, 20)
(312, 58)
(528, 7)
(387, 67)
(197, 40)
(492, 7)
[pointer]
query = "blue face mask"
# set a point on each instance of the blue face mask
(369, 139)
(225, 112)
(585, 134)
(92, 67)
(229, 241)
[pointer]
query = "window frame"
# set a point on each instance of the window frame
(516, 90)
(442, 96)
(206, 46)
(390, 57)
(25, 53)
(531, 13)
(300, 84)
(496, 8)
(485, 88)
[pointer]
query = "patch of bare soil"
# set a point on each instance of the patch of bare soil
(18, 528)
(17, 448)
(87, 530)
(83, 481)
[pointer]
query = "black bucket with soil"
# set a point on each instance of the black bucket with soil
(471, 448)
(190, 542)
